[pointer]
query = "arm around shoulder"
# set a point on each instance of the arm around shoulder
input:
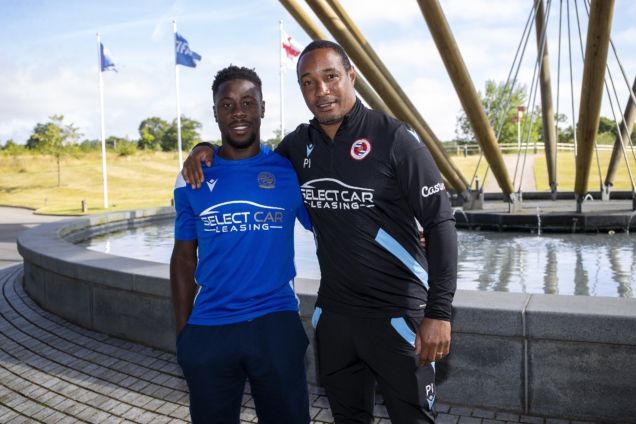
(192, 167)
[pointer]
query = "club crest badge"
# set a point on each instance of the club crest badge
(266, 180)
(360, 149)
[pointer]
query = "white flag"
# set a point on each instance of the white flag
(291, 50)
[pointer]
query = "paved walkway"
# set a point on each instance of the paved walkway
(12, 222)
(52, 371)
(528, 183)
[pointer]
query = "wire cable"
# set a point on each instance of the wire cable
(558, 89)
(530, 22)
(571, 79)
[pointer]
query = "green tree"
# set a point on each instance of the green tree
(113, 142)
(33, 141)
(605, 138)
(155, 127)
(58, 140)
(273, 142)
(11, 148)
(563, 134)
(147, 139)
(189, 135)
(90, 146)
(493, 99)
(607, 125)
(126, 147)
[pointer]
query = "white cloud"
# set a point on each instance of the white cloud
(401, 12)
(438, 104)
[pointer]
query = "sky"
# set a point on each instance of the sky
(48, 58)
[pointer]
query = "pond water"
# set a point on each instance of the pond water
(572, 264)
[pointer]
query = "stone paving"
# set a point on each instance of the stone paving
(52, 371)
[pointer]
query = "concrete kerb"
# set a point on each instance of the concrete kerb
(569, 356)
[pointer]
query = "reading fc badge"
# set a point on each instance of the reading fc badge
(360, 149)
(266, 180)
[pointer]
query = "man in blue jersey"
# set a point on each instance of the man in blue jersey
(235, 306)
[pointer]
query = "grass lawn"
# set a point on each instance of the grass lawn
(467, 166)
(147, 180)
(136, 181)
(566, 170)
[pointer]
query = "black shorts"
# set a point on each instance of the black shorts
(354, 353)
(269, 350)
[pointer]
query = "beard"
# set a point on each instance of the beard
(240, 145)
(335, 117)
(331, 120)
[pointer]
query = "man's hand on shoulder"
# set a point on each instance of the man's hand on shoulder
(192, 171)
(432, 341)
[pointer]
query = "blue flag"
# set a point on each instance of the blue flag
(185, 56)
(107, 61)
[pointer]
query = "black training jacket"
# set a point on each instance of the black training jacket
(363, 191)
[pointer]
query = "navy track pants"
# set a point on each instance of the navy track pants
(269, 350)
(355, 352)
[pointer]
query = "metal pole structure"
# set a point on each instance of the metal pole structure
(282, 96)
(101, 114)
(547, 113)
(456, 68)
(337, 28)
(596, 49)
(176, 80)
(622, 137)
(353, 29)
(361, 86)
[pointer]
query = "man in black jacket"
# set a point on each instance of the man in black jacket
(384, 305)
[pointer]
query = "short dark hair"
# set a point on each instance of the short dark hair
(324, 44)
(233, 73)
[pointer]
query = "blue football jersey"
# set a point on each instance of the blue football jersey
(243, 219)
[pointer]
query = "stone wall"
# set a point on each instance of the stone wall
(572, 356)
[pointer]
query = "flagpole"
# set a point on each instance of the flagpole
(101, 113)
(282, 116)
(176, 78)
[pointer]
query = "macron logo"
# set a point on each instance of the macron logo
(310, 148)
(211, 184)
(414, 134)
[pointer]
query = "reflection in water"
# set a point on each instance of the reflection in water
(624, 279)
(505, 272)
(551, 280)
(551, 264)
(581, 279)
(590, 265)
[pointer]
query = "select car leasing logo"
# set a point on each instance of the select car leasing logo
(427, 191)
(266, 180)
(360, 149)
(241, 216)
(329, 193)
